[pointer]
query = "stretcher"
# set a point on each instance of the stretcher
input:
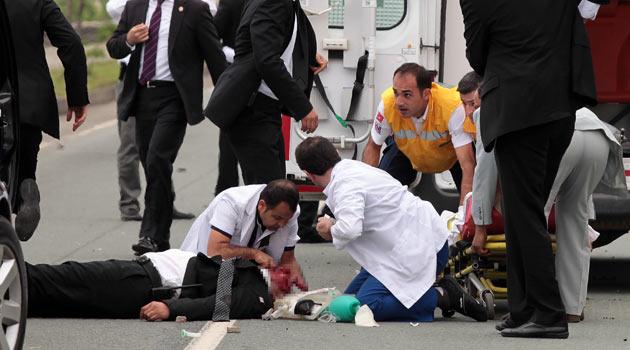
(484, 277)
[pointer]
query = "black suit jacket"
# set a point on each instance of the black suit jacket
(263, 34)
(38, 105)
(535, 59)
(192, 40)
(227, 18)
(250, 294)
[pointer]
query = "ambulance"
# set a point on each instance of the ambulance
(366, 40)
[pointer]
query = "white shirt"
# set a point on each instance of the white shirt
(381, 128)
(588, 10)
(115, 9)
(390, 232)
(171, 265)
(287, 57)
(162, 69)
(233, 213)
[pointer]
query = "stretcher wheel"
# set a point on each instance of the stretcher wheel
(488, 299)
(448, 313)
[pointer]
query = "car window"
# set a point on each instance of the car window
(389, 13)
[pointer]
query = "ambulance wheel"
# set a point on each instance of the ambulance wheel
(13, 292)
(488, 299)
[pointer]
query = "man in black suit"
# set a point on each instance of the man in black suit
(29, 20)
(226, 20)
(275, 59)
(145, 288)
(162, 89)
(535, 59)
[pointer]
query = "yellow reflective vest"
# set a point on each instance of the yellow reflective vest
(429, 150)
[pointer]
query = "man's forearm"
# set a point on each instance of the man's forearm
(371, 155)
(229, 251)
(466, 185)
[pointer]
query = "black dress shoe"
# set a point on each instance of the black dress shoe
(145, 245)
(461, 301)
(534, 330)
(28, 215)
(178, 215)
(508, 322)
(130, 215)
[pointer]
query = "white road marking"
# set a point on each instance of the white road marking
(96, 127)
(211, 335)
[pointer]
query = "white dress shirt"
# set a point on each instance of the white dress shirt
(115, 9)
(171, 265)
(381, 128)
(287, 57)
(233, 213)
(390, 232)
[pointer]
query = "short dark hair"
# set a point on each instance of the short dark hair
(316, 155)
(424, 77)
(469, 83)
(278, 191)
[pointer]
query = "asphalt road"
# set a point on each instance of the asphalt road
(80, 221)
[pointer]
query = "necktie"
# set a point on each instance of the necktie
(223, 294)
(150, 48)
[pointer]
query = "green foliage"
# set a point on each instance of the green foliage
(100, 74)
(105, 31)
(93, 10)
(95, 52)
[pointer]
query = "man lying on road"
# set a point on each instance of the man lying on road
(156, 286)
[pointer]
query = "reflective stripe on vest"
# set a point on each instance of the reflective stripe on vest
(430, 150)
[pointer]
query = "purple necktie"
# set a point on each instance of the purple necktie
(150, 48)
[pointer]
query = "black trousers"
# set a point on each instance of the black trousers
(396, 163)
(160, 129)
(228, 165)
(527, 161)
(256, 139)
(101, 289)
(30, 138)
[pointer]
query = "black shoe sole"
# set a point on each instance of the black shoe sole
(28, 216)
(140, 249)
(545, 335)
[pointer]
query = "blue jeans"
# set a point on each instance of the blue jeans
(384, 304)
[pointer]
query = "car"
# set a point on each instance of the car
(13, 283)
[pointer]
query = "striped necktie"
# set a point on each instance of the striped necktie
(223, 296)
(150, 48)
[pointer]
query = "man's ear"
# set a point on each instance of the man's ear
(426, 94)
(262, 206)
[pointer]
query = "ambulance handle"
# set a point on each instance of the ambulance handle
(336, 139)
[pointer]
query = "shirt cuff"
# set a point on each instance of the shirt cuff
(131, 47)
(229, 235)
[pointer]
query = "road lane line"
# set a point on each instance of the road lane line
(96, 127)
(211, 335)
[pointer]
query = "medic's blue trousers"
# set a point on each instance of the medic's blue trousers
(384, 304)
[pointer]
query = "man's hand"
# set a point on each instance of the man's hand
(310, 122)
(479, 242)
(324, 224)
(322, 63)
(80, 114)
(264, 260)
(138, 34)
(295, 276)
(155, 311)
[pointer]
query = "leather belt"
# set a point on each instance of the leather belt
(152, 272)
(158, 83)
